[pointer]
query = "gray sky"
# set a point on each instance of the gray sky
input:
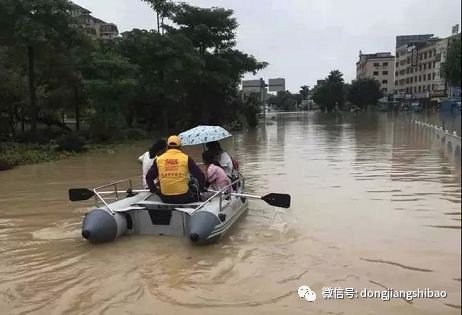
(305, 39)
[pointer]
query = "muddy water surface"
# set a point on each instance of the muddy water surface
(375, 204)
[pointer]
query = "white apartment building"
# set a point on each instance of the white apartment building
(418, 67)
(379, 66)
(92, 26)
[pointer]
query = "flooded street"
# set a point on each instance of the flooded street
(375, 204)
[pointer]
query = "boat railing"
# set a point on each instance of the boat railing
(223, 194)
(112, 190)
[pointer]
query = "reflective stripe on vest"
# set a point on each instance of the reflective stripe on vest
(173, 172)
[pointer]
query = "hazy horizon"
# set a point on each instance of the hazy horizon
(304, 40)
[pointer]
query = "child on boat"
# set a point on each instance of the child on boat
(215, 177)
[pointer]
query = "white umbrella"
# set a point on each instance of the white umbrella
(203, 134)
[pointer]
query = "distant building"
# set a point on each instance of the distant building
(402, 40)
(92, 26)
(378, 66)
(255, 87)
(418, 67)
(277, 85)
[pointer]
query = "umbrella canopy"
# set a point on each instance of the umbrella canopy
(203, 134)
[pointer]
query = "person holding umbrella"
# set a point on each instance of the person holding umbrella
(173, 170)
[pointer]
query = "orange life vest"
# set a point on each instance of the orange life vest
(173, 172)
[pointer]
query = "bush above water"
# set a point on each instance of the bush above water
(71, 142)
(134, 134)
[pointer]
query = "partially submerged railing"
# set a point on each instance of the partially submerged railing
(452, 140)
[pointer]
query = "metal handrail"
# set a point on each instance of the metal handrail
(219, 193)
(99, 195)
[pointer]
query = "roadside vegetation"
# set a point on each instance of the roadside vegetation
(60, 90)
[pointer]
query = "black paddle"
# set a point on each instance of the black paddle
(273, 199)
(79, 194)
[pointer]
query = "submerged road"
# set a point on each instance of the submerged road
(375, 205)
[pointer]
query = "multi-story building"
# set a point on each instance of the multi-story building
(92, 26)
(378, 66)
(418, 67)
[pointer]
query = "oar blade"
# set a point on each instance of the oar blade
(79, 194)
(277, 200)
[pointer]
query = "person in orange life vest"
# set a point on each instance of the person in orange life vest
(173, 170)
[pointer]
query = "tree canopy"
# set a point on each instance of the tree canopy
(364, 92)
(185, 72)
(451, 67)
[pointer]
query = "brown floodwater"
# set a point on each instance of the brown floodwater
(375, 205)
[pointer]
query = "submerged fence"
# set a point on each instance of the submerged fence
(450, 141)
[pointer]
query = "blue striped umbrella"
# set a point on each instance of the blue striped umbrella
(203, 134)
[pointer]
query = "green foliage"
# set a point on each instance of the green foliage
(304, 91)
(452, 66)
(50, 72)
(22, 154)
(330, 95)
(364, 92)
(284, 101)
(71, 142)
(134, 134)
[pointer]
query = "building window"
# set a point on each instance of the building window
(407, 80)
(415, 89)
(420, 67)
(397, 64)
(384, 90)
(429, 65)
(376, 64)
(375, 73)
(411, 79)
(396, 73)
(415, 78)
(428, 88)
(412, 70)
(420, 56)
(433, 64)
(424, 77)
(407, 71)
(419, 89)
(424, 66)
(429, 76)
(425, 55)
(384, 81)
(385, 72)
(429, 54)
(396, 82)
(385, 64)
(433, 76)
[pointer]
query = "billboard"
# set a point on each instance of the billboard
(251, 86)
(277, 85)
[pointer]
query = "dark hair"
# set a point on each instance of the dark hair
(157, 147)
(214, 145)
(208, 157)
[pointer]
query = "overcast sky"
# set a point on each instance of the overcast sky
(305, 39)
